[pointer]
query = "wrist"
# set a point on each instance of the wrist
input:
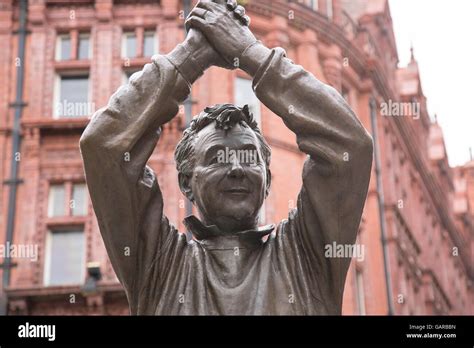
(253, 57)
(190, 60)
(202, 52)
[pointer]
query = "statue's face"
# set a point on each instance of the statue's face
(230, 177)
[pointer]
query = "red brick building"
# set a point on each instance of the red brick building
(79, 52)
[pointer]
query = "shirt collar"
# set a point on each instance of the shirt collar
(203, 233)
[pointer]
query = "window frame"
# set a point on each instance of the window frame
(47, 257)
(71, 196)
(57, 91)
(125, 34)
(89, 48)
(74, 38)
(330, 9)
(155, 42)
(58, 48)
(312, 4)
(50, 208)
(68, 196)
(139, 33)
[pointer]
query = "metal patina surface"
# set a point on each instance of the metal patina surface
(230, 266)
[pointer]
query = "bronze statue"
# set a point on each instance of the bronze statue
(230, 266)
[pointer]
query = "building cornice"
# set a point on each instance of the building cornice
(54, 291)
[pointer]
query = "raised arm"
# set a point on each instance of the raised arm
(115, 147)
(337, 172)
(335, 175)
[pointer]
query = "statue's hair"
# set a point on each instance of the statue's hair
(225, 117)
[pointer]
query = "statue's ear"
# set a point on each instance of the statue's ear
(269, 182)
(185, 185)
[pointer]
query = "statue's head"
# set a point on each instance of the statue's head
(223, 165)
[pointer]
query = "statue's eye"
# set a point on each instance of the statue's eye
(251, 159)
(214, 160)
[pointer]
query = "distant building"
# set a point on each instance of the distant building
(79, 52)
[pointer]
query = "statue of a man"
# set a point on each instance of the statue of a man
(230, 266)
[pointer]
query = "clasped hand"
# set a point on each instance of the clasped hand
(218, 33)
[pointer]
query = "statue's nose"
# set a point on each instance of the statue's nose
(236, 171)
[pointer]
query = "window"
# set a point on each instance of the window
(139, 43)
(360, 296)
(313, 4)
(149, 48)
(63, 47)
(71, 87)
(243, 94)
(57, 201)
(83, 47)
(65, 43)
(329, 9)
(79, 200)
(129, 47)
(65, 246)
(72, 95)
(65, 257)
(67, 199)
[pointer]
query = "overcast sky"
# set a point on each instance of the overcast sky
(442, 33)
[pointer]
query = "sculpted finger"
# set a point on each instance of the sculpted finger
(240, 11)
(196, 22)
(198, 12)
(245, 20)
(211, 6)
(231, 5)
(204, 4)
(219, 2)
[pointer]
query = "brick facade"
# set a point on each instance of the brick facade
(428, 205)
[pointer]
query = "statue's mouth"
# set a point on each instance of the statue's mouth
(237, 190)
